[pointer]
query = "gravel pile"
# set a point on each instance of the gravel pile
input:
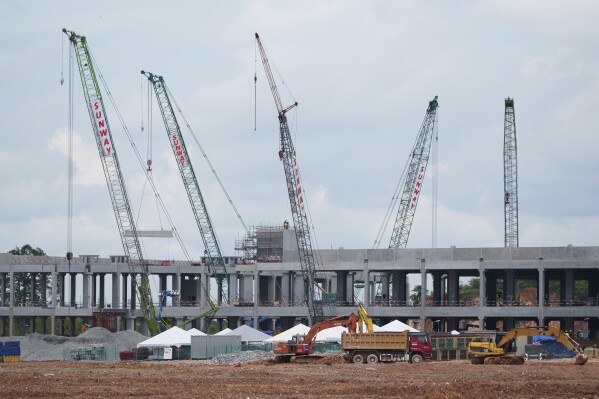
(53, 347)
(239, 357)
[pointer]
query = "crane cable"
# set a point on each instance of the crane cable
(394, 199)
(148, 175)
(139, 158)
(206, 158)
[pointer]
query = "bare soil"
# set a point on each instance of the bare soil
(326, 378)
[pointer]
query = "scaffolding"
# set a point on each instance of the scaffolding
(264, 243)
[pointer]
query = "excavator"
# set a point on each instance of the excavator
(301, 348)
(501, 353)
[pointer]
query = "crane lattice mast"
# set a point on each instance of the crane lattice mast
(296, 195)
(114, 179)
(510, 175)
(213, 253)
(414, 178)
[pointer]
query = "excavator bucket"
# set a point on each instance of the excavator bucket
(581, 359)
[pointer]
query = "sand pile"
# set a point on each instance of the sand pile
(53, 347)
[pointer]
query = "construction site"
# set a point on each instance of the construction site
(475, 322)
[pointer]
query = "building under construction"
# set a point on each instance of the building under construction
(533, 285)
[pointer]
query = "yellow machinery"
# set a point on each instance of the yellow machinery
(364, 319)
(501, 353)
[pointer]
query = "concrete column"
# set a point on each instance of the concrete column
(366, 277)
(43, 289)
(129, 323)
(452, 287)
(116, 290)
(11, 295)
(32, 290)
(203, 282)
(541, 294)
(349, 287)
(298, 288)
(133, 291)
(73, 292)
(385, 288)
(436, 288)
(102, 301)
(124, 290)
(423, 286)
(2, 294)
(285, 285)
(177, 282)
(54, 289)
(86, 290)
(144, 327)
(61, 284)
(94, 293)
(162, 282)
(569, 280)
(248, 288)
(232, 287)
(482, 295)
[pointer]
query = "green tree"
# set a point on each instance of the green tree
(22, 284)
(415, 297)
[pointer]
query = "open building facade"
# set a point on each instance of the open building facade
(534, 285)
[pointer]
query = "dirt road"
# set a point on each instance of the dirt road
(188, 379)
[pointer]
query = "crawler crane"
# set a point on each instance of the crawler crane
(114, 180)
(296, 195)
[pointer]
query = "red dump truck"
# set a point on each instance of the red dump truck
(387, 347)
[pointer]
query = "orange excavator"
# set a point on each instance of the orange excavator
(299, 349)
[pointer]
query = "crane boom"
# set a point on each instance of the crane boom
(414, 178)
(296, 195)
(212, 249)
(114, 180)
(510, 175)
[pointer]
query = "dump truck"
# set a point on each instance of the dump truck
(501, 352)
(413, 347)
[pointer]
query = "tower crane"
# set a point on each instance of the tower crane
(510, 175)
(212, 249)
(114, 179)
(415, 178)
(296, 195)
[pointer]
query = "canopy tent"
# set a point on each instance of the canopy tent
(195, 331)
(174, 336)
(288, 334)
(224, 332)
(454, 332)
(397, 326)
(331, 334)
(249, 334)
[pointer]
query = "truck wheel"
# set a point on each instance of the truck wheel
(358, 358)
(372, 358)
(416, 359)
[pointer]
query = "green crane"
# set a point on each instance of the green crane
(114, 178)
(213, 253)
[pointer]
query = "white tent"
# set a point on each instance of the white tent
(454, 332)
(331, 334)
(397, 326)
(288, 335)
(195, 331)
(174, 336)
(249, 334)
(224, 332)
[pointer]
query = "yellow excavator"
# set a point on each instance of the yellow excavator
(364, 320)
(501, 353)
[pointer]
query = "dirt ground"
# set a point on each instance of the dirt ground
(327, 379)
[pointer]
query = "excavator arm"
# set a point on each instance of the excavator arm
(364, 319)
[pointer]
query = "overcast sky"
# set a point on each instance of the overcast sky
(363, 73)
